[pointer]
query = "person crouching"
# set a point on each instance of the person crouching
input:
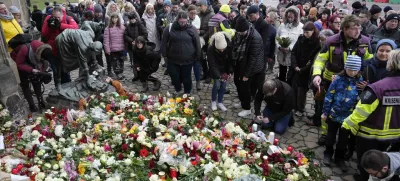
(146, 62)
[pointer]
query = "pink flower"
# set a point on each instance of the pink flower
(107, 147)
(90, 158)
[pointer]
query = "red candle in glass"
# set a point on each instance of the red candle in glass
(173, 173)
(276, 141)
(290, 148)
(53, 109)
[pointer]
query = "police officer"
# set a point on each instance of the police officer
(376, 119)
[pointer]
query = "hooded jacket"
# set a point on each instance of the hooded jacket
(132, 31)
(204, 18)
(291, 30)
(220, 62)
(50, 34)
(375, 69)
(147, 59)
(108, 13)
(24, 52)
(10, 28)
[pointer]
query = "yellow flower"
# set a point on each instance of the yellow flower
(132, 130)
(87, 152)
(178, 100)
(171, 100)
(97, 129)
(81, 169)
(188, 111)
(59, 157)
(304, 161)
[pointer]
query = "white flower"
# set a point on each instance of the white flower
(34, 169)
(132, 154)
(154, 177)
(40, 153)
(7, 124)
(68, 152)
(62, 140)
(35, 133)
(55, 167)
(208, 168)
(64, 174)
(96, 163)
(182, 169)
(110, 161)
(40, 176)
(128, 162)
(47, 165)
(61, 163)
(184, 96)
(58, 131)
(73, 136)
(217, 178)
(79, 135)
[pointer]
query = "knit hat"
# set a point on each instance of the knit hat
(225, 8)
(202, 2)
(220, 42)
(386, 42)
(167, 3)
(318, 25)
(326, 33)
(392, 17)
(14, 10)
(313, 11)
(242, 24)
(375, 9)
(387, 8)
(326, 11)
(343, 11)
(356, 5)
(252, 9)
(98, 8)
(353, 62)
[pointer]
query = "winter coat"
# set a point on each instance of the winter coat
(288, 30)
(181, 45)
(114, 39)
(50, 34)
(219, 62)
(158, 9)
(132, 31)
(280, 104)
(368, 28)
(374, 70)
(10, 29)
(268, 34)
(382, 33)
(341, 98)
(24, 52)
(253, 59)
(303, 54)
(37, 17)
(204, 18)
(148, 60)
(164, 20)
(151, 27)
(218, 23)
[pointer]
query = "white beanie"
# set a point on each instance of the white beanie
(220, 42)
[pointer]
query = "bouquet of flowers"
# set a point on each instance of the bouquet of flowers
(145, 137)
(284, 41)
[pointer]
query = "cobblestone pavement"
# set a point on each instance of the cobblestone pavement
(300, 136)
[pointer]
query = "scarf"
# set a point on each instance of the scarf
(9, 16)
(241, 43)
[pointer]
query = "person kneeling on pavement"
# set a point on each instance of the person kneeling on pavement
(32, 59)
(146, 62)
(279, 98)
(381, 165)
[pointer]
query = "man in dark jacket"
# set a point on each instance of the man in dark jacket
(279, 98)
(159, 7)
(134, 29)
(268, 34)
(248, 55)
(375, 13)
(367, 27)
(388, 30)
(37, 17)
(205, 16)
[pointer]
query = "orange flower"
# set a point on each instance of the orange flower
(81, 169)
(58, 157)
(108, 107)
(141, 117)
(119, 112)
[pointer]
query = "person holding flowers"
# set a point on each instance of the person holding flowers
(340, 100)
(219, 56)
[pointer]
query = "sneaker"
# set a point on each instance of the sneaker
(244, 113)
(237, 105)
(214, 105)
(222, 107)
(327, 161)
(342, 165)
(321, 140)
(298, 114)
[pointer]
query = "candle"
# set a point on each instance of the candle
(53, 109)
(173, 173)
(271, 137)
(162, 175)
(290, 148)
(254, 127)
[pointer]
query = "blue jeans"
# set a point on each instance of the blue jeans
(196, 70)
(179, 74)
(219, 88)
(279, 125)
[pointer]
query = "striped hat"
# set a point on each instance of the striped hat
(353, 62)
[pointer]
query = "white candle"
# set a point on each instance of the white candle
(271, 137)
(254, 127)
(1, 142)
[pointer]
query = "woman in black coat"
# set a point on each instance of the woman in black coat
(146, 62)
(219, 56)
(303, 55)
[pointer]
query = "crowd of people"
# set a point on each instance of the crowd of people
(347, 58)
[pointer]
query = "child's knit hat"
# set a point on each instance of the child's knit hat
(353, 62)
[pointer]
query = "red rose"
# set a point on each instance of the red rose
(124, 147)
(41, 139)
(31, 154)
(252, 146)
(14, 171)
(151, 164)
(83, 139)
(120, 156)
(214, 155)
(20, 166)
(144, 152)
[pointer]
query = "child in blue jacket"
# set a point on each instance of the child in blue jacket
(340, 100)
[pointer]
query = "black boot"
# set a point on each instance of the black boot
(157, 85)
(145, 87)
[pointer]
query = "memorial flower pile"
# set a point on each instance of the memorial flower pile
(140, 137)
